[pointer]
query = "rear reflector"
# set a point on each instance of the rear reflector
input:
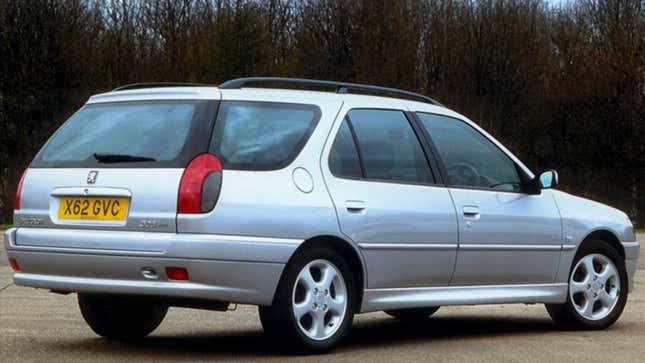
(16, 201)
(177, 273)
(191, 187)
(14, 264)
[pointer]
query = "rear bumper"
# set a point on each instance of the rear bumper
(221, 268)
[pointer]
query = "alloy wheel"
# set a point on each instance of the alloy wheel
(319, 299)
(594, 286)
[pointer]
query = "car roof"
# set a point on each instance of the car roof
(162, 90)
(290, 95)
(215, 93)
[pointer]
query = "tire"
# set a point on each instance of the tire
(333, 304)
(604, 311)
(412, 313)
(120, 317)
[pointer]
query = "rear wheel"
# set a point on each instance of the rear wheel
(412, 313)
(314, 305)
(597, 289)
(119, 317)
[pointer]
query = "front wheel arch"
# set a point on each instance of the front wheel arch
(605, 236)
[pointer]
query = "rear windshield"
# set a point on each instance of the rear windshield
(261, 135)
(130, 134)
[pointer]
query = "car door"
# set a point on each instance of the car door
(387, 200)
(506, 236)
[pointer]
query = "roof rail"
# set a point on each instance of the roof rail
(159, 84)
(340, 87)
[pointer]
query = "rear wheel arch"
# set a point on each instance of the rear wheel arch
(348, 251)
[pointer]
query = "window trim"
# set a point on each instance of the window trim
(217, 127)
(357, 146)
(521, 173)
(429, 159)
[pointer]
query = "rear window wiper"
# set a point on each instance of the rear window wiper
(120, 158)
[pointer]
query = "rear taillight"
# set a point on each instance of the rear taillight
(200, 185)
(16, 201)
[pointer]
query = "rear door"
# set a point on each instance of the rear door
(387, 198)
(115, 166)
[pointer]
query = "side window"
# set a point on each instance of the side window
(388, 148)
(261, 135)
(343, 157)
(470, 158)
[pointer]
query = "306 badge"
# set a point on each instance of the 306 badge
(93, 208)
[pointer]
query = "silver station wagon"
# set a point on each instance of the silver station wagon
(312, 205)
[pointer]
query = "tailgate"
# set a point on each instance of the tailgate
(116, 166)
(122, 199)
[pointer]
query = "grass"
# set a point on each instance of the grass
(5, 226)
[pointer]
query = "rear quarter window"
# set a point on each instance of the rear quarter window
(261, 135)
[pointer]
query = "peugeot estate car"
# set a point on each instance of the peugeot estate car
(313, 205)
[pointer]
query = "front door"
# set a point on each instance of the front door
(506, 236)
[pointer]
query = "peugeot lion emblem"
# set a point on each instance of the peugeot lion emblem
(91, 177)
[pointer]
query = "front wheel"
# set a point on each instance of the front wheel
(314, 305)
(597, 289)
(121, 317)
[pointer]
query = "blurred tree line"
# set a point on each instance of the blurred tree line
(560, 84)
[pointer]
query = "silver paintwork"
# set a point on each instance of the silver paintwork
(418, 245)
(319, 304)
(153, 194)
(379, 216)
(509, 232)
(594, 291)
(225, 268)
(401, 298)
(581, 217)
(169, 245)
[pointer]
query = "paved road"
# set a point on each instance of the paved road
(40, 326)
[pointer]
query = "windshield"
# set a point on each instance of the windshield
(118, 133)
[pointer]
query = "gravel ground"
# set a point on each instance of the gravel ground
(39, 326)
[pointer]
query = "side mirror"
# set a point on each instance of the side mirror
(548, 179)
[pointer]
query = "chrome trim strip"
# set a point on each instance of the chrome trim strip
(466, 247)
(400, 298)
(409, 246)
(234, 238)
(497, 247)
(568, 247)
(161, 236)
(91, 191)
(136, 243)
(102, 251)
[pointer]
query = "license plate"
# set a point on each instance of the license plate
(97, 208)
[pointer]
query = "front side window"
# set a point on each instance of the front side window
(470, 159)
(388, 148)
(261, 135)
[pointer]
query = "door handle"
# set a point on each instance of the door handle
(355, 206)
(471, 211)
